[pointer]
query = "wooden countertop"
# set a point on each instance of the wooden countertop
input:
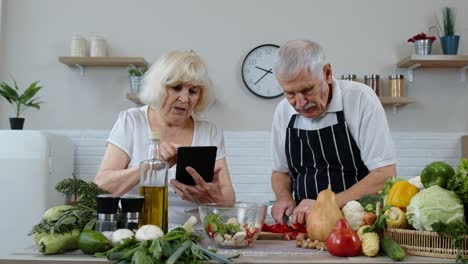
(263, 251)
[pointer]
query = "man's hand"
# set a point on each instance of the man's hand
(202, 192)
(282, 207)
(302, 210)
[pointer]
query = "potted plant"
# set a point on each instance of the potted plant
(21, 101)
(449, 41)
(422, 43)
(135, 76)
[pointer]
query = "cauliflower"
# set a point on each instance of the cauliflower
(353, 213)
(416, 181)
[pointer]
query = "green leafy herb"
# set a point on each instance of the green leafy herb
(75, 217)
(458, 231)
(80, 191)
(178, 245)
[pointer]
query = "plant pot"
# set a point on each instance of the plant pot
(450, 44)
(423, 47)
(135, 83)
(16, 123)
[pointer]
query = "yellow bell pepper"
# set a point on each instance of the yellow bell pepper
(400, 194)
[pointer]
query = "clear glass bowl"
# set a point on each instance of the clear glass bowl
(237, 226)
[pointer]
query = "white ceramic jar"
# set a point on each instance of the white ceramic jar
(98, 47)
(78, 47)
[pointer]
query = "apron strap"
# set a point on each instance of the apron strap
(340, 117)
(291, 121)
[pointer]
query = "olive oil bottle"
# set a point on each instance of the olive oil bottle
(153, 186)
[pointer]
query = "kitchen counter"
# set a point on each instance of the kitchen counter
(263, 251)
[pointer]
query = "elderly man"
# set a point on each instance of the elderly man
(325, 132)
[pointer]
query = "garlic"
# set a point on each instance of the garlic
(120, 234)
(148, 232)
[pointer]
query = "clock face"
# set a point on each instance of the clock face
(257, 72)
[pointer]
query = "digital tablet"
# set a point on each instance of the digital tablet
(202, 159)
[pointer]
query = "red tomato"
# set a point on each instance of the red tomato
(343, 241)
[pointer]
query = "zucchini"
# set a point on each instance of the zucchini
(392, 249)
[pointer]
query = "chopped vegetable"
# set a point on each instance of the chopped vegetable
(353, 213)
(230, 233)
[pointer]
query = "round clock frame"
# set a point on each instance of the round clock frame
(257, 73)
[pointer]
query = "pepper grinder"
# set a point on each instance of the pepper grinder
(107, 205)
(131, 210)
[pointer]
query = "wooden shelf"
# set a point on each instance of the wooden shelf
(103, 61)
(396, 100)
(134, 98)
(434, 61)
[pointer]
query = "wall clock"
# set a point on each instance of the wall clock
(257, 72)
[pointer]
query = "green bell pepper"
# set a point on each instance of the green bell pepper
(436, 173)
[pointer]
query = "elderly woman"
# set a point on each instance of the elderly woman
(176, 89)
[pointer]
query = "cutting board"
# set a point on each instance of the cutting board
(270, 236)
(465, 147)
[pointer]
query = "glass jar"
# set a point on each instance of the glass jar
(349, 77)
(396, 85)
(373, 81)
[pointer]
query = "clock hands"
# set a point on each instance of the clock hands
(266, 72)
(269, 71)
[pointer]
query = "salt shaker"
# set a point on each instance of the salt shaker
(98, 47)
(78, 47)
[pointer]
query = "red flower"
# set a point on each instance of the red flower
(421, 36)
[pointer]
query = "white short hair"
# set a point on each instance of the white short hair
(296, 56)
(172, 69)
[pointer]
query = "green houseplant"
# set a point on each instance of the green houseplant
(135, 75)
(21, 101)
(449, 41)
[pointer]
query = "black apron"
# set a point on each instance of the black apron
(317, 158)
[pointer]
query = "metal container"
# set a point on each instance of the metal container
(373, 81)
(423, 47)
(396, 85)
(349, 77)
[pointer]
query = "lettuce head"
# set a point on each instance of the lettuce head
(432, 205)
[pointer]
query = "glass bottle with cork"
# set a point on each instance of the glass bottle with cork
(153, 186)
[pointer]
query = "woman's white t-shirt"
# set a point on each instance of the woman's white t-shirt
(131, 134)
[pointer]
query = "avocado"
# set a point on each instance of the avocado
(90, 242)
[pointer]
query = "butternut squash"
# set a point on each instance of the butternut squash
(323, 216)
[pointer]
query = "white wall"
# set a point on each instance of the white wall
(361, 37)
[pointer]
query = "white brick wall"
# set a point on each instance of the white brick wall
(248, 156)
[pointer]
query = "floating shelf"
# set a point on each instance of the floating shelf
(434, 61)
(81, 62)
(134, 98)
(103, 61)
(396, 101)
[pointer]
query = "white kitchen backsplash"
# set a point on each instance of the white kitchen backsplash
(248, 156)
